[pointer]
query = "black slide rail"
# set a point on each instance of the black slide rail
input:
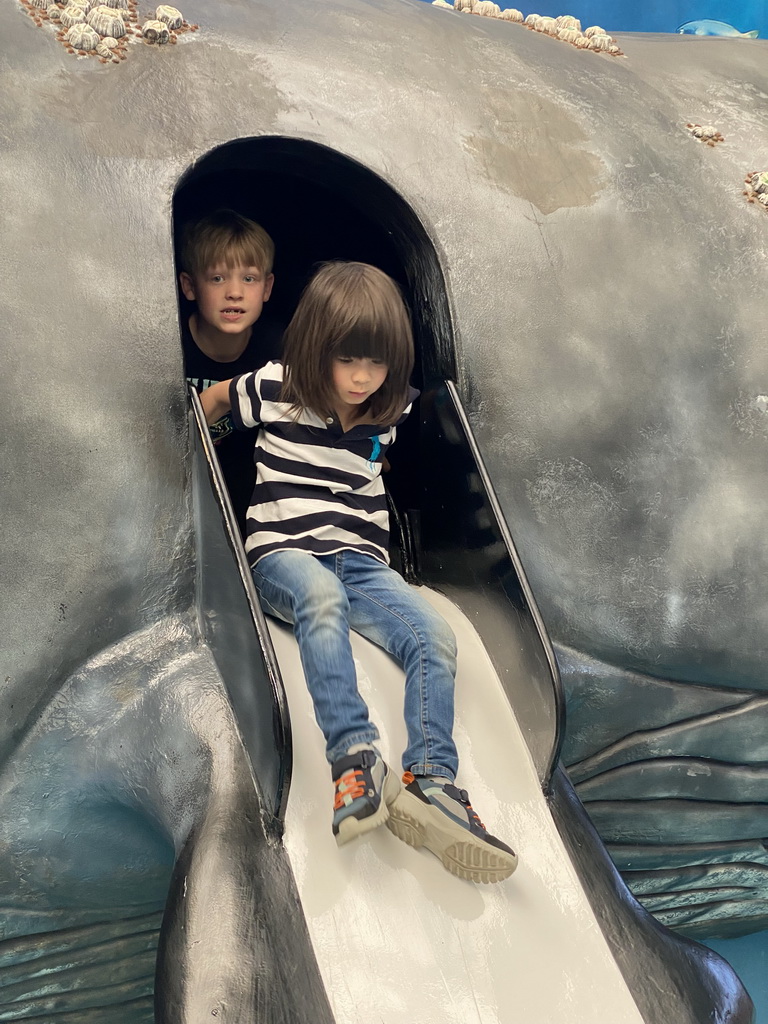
(232, 623)
(466, 551)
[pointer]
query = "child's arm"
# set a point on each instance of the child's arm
(215, 401)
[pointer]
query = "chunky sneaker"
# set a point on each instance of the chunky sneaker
(439, 816)
(365, 786)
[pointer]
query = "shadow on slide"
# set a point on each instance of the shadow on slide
(393, 937)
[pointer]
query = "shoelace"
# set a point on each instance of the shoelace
(349, 784)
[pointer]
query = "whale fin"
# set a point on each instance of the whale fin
(751, 35)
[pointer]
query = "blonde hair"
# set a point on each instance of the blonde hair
(229, 238)
(348, 309)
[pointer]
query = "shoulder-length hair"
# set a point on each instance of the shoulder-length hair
(352, 310)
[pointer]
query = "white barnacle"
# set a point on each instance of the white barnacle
(117, 4)
(512, 14)
(532, 20)
(600, 42)
(442, 3)
(547, 25)
(487, 9)
(170, 15)
(83, 37)
(708, 132)
(594, 30)
(106, 21)
(155, 32)
(41, 4)
(72, 16)
(54, 12)
(569, 35)
(110, 42)
(464, 5)
(568, 21)
(615, 50)
(582, 42)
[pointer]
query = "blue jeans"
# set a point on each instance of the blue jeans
(323, 597)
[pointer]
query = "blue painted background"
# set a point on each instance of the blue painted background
(661, 16)
(748, 955)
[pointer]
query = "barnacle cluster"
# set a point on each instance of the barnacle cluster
(565, 27)
(756, 190)
(706, 133)
(103, 28)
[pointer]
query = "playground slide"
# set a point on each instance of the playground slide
(397, 938)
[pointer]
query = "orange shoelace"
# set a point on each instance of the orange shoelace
(350, 784)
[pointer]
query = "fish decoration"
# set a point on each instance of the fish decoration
(705, 27)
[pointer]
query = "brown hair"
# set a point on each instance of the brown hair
(229, 238)
(348, 309)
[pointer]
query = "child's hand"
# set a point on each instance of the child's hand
(215, 401)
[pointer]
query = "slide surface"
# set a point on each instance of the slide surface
(397, 938)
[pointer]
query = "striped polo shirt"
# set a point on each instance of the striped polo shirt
(318, 488)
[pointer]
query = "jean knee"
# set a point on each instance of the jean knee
(324, 599)
(440, 637)
(295, 585)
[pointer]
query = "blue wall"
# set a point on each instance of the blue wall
(748, 956)
(661, 16)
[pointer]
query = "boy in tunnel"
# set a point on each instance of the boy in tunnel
(226, 270)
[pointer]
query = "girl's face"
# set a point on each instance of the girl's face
(355, 380)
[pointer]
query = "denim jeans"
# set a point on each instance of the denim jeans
(322, 597)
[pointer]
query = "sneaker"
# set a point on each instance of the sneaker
(365, 786)
(440, 817)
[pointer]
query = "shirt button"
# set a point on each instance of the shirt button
(329, 420)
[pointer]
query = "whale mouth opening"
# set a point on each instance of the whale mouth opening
(318, 205)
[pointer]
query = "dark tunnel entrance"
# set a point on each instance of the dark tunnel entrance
(320, 205)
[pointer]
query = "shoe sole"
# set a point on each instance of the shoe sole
(463, 855)
(352, 827)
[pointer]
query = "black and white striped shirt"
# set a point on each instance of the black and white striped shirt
(318, 488)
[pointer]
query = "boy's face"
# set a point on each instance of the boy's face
(228, 300)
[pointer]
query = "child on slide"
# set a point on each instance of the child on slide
(317, 542)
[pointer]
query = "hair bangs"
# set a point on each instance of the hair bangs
(362, 341)
(237, 251)
(229, 238)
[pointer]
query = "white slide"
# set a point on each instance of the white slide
(397, 938)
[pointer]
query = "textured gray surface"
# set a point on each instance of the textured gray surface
(605, 279)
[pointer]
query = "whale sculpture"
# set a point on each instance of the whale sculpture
(610, 368)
